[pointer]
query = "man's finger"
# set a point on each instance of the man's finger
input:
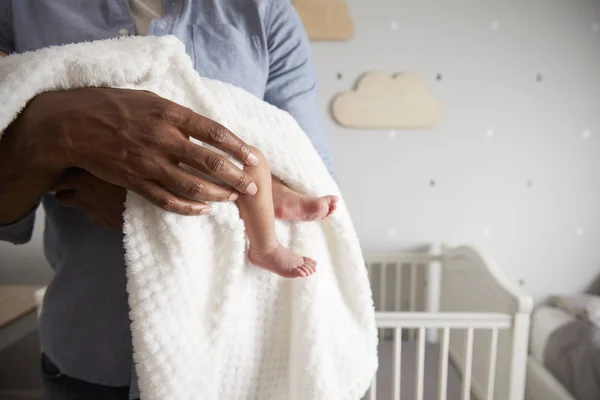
(70, 180)
(210, 132)
(161, 198)
(191, 187)
(64, 186)
(67, 198)
(216, 166)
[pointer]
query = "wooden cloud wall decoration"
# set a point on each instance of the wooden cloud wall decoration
(384, 101)
(325, 19)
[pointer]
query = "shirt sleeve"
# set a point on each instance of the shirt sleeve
(292, 83)
(7, 42)
(19, 232)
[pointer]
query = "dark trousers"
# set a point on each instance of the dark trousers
(57, 386)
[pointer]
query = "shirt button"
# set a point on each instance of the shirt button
(123, 32)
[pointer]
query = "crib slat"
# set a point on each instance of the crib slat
(412, 295)
(492, 368)
(420, 365)
(397, 362)
(443, 386)
(413, 287)
(398, 292)
(370, 275)
(466, 389)
(373, 389)
(382, 293)
(382, 287)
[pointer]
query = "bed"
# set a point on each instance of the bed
(451, 326)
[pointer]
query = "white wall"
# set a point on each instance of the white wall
(514, 171)
(546, 234)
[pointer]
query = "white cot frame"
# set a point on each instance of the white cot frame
(459, 297)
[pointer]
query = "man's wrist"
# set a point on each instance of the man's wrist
(38, 142)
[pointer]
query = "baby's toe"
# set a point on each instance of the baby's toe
(309, 261)
(330, 204)
(310, 264)
(296, 273)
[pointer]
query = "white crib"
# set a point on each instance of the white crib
(463, 326)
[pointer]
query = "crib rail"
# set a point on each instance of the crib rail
(404, 282)
(446, 323)
(443, 320)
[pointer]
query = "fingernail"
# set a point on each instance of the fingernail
(234, 196)
(205, 211)
(252, 189)
(252, 159)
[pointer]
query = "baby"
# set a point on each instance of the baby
(274, 199)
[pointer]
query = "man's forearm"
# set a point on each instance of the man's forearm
(23, 177)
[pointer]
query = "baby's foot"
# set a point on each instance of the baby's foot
(292, 206)
(283, 262)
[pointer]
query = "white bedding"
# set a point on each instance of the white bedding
(544, 321)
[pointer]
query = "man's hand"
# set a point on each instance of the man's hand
(136, 140)
(101, 201)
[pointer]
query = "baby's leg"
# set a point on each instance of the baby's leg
(259, 217)
(293, 206)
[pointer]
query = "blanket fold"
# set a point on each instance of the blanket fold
(206, 324)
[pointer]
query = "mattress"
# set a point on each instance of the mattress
(544, 321)
(408, 372)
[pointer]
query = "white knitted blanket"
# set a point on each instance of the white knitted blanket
(206, 324)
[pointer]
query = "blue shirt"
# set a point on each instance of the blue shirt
(259, 45)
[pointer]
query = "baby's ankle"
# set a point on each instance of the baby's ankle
(265, 248)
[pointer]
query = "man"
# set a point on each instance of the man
(89, 145)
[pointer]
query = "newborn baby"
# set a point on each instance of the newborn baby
(274, 199)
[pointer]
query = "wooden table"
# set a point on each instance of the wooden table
(18, 313)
